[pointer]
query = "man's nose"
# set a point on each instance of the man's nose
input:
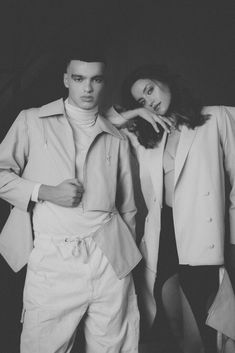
(88, 87)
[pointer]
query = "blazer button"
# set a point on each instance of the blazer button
(209, 219)
(154, 199)
(211, 246)
(207, 193)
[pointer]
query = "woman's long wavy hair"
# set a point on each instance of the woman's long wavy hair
(184, 107)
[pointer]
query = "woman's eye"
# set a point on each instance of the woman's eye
(150, 90)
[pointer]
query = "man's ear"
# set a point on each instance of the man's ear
(66, 80)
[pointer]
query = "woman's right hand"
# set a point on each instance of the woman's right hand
(150, 117)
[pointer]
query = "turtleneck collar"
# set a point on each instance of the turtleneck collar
(80, 116)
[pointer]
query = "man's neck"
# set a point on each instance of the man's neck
(81, 116)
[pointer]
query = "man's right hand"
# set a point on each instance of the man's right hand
(67, 194)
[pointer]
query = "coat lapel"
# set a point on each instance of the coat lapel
(186, 139)
(58, 139)
(61, 146)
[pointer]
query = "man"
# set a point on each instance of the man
(73, 167)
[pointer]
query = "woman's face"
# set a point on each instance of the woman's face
(153, 95)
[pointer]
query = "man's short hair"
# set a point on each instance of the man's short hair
(87, 53)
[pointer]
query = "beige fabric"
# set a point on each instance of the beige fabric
(221, 315)
(67, 280)
(199, 195)
(47, 155)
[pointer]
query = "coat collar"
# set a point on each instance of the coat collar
(56, 108)
(52, 109)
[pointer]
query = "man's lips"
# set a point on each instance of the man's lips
(87, 98)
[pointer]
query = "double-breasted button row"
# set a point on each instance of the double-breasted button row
(211, 246)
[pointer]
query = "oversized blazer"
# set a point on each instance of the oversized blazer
(202, 156)
(39, 148)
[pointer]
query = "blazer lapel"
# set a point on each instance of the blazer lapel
(186, 139)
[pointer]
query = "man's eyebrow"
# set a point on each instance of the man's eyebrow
(76, 75)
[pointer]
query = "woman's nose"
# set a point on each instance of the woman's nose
(149, 102)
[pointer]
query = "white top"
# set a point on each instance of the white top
(169, 165)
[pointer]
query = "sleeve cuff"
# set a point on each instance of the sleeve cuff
(34, 196)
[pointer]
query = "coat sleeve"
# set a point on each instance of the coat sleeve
(14, 151)
(125, 193)
(227, 132)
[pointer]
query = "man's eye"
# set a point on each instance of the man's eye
(142, 102)
(77, 79)
(99, 80)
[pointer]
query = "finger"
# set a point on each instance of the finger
(154, 125)
(159, 118)
(167, 121)
(163, 124)
(76, 201)
(79, 190)
(79, 194)
(71, 181)
(75, 182)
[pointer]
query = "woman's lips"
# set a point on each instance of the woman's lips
(156, 107)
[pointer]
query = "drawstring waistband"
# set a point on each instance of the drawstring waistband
(75, 246)
(67, 246)
(79, 247)
(72, 245)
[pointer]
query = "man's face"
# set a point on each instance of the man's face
(85, 82)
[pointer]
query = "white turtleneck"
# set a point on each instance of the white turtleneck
(81, 117)
(84, 129)
(74, 221)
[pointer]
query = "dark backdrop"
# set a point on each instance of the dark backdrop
(196, 39)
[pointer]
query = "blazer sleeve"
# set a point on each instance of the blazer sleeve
(14, 151)
(227, 131)
(119, 122)
(125, 193)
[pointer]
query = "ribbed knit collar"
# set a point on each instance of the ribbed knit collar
(85, 118)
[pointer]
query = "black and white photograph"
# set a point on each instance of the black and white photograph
(117, 176)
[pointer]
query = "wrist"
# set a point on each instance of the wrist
(130, 114)
(45, 193)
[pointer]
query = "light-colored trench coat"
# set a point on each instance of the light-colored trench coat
(203, 155)
(39, 148)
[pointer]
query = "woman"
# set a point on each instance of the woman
(182, 180)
